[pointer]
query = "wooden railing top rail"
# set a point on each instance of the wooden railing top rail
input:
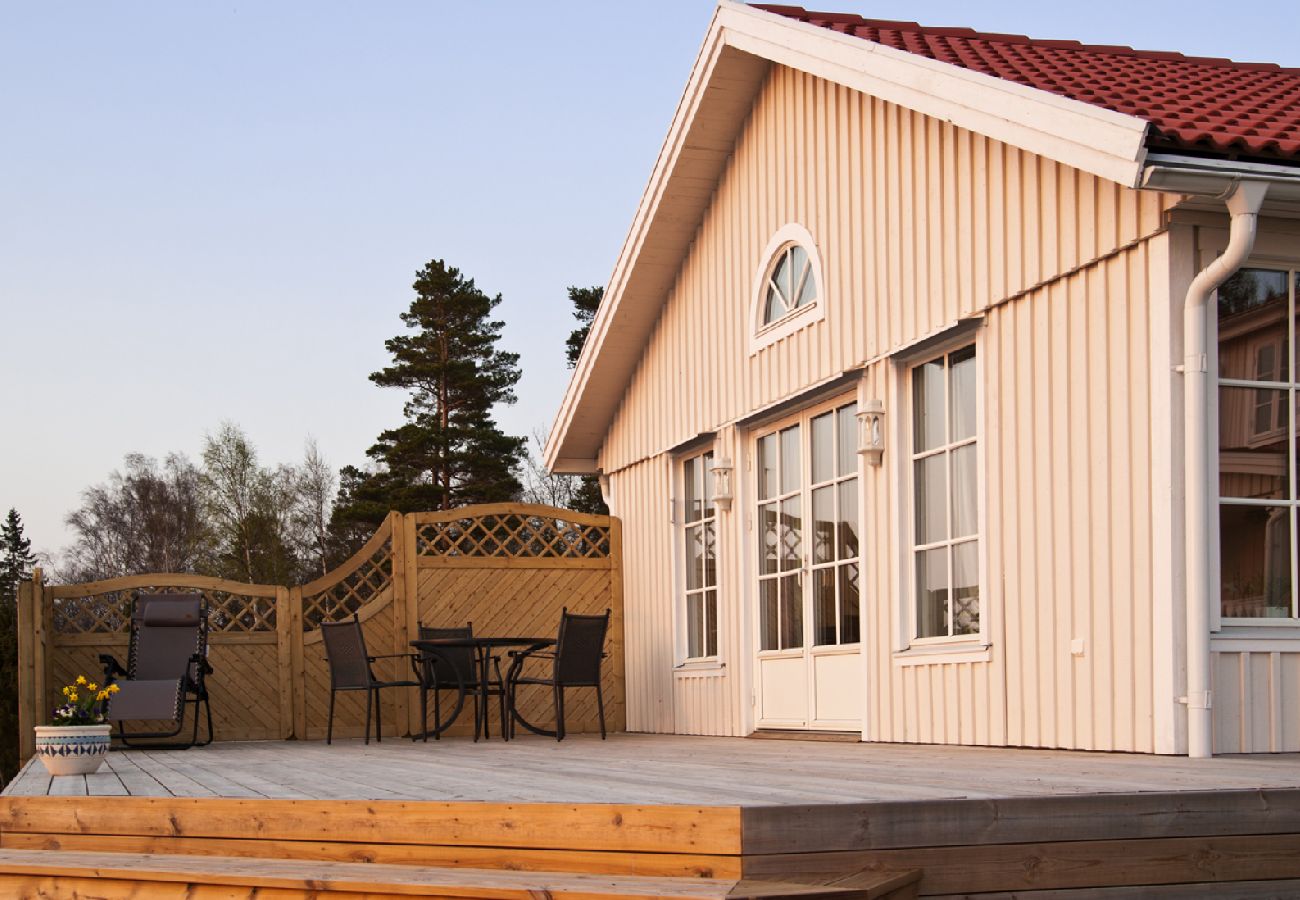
(160, 579)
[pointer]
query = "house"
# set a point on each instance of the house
(945, 386)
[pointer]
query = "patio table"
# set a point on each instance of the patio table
(483, 656)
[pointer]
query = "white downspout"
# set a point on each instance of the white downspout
(1243, 203)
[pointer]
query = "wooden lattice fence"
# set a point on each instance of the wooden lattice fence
(508, 568)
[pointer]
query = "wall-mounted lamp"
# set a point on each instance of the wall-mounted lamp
(871, 431)
(721, 470)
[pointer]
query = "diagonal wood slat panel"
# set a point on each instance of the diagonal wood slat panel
(508, 568)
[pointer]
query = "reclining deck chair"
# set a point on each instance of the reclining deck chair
(165, 671)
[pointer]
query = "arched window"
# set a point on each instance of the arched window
(788, 292)
(790, 285)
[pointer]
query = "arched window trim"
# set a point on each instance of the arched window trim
(765, 334)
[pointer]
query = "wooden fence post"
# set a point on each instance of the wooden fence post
(403, 632)
(27, 707)
(297, 664)
(284, 660)
(619, 642)
(42, 636)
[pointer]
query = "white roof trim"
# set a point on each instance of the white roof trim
(1099, 141)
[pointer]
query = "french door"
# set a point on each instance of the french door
(808, 671)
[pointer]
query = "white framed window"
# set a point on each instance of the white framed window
(944, 481)
(699, 536)
(1257, 435)
(789, 293)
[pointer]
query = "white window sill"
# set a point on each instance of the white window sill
(704, 669)
(1276, 637)
(943, 654)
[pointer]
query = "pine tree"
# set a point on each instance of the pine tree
(586, 301)
(450, 451)
(16, 561)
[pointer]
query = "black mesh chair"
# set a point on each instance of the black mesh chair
(165, 669)
(575, 662)
(452, 668)
(345, 648)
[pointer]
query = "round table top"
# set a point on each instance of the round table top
(484, 641)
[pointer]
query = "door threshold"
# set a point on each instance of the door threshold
(791, 734)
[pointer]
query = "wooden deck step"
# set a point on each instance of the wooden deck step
(51, 874)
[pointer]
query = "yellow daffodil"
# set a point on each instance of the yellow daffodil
(103, 695)
(73, 697)
(113, 689)
(92, 687)
(81, 679)
(67, 691)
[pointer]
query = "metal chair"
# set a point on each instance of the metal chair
(345, 649)
(575, 662)
(449, 668)
(165, 671)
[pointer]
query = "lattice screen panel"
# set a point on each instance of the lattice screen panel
(513, 536)
(339, 601)
(110, 612)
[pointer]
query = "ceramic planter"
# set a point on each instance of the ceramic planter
(72, 749)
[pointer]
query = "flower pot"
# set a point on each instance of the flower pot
(72, 749)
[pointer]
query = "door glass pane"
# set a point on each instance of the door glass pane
(1252, 453)
(706, 465)
(790, 476)
(695, 626)
(964, 509)
(691, 477)
(711, 623)
(846, 440)
(965, 588)
(962, 396)
(932, 593)
(824, 617)
(767, 466)
(791, 611)
(928, 403)
(823, 513)
(849, 615)
(768, 614)
(1253, 316)
(823, 448)
(791, 534)
(1255, 561)
(694, 557)
(767, 515)
(931, 499)
(848, 543)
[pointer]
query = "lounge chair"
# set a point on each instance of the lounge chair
(166, 669)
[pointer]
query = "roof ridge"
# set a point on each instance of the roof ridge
(829, 19)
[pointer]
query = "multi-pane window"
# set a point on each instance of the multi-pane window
(945, 508)
(1258, 497)
(791, 285)
(780, 563)
(701, 555)
(834, 487)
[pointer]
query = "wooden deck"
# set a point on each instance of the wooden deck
(863, 820)
(655, 769)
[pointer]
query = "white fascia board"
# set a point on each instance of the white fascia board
(1097, 140)
(609, 310)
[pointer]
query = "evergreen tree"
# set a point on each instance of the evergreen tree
(16, 561)
(450, 451)
(586, 301)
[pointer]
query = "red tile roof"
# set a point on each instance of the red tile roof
(1194, 104)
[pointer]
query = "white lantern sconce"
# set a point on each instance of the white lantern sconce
(871, 432)
(722, 494)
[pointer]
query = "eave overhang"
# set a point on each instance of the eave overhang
(739, 49)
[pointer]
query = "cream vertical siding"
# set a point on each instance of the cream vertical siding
(920, 224)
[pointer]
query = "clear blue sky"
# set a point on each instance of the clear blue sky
(214, 211)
